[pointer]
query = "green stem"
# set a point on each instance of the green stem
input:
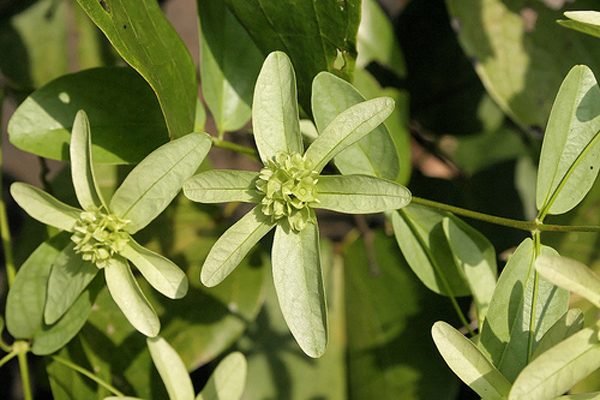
(247, 151)
(529, 226)
(88, 374)
(24, 369)
(4, 228)
(7, 358)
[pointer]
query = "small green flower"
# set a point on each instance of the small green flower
(287, 190)
(101, 232)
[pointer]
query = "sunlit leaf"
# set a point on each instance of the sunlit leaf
(129, 297)
(571, 275)
(569, 162)
(227, 83)
(581, 396)
(583, 21)
(298, 282)
(233, 245)
(43, 207)
(154, 182)
(360, 194)
(228, 380)
(171, 369)
(275, 116)
(159, 271)
(220, 186)
(143, 36)
(69, 276)
(346, 129)
(82, 167)
(374, 154)
(43, 122)
(317, 36)
(27, 295)
(560, 368)
(376, 39)
(524, 306)
(569, 324)
(469, 363)
(420, 235)
(476, 258)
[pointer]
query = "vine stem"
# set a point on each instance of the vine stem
(247, 151)
(7, 358)
(88, 374)
(4, 228)
(529, 226)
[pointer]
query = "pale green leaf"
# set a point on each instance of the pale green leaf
(146, 40)
(569, 162)
(27, 295)
(227, 83)
(275, 117)
(377, 41)
(583, 21)
(51, 338)
(43, 207)
(420, 235)
(228, 380)
(122, 398)
(360, 194)
(171, 369)
(374, 154)
(126, 292)
(154, 182)
(69, 276)
(82, 165)
(524, 306)
(159, 271)
(571, 275)
(581, 396)
(346, 129)
(221, 186)
(569, 324)
(298, 282)
(469, 363)
(476, 258)
(560, 368)
(233, 245)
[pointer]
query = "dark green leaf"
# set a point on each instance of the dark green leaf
(229, 65)
(318, 36)
(141, 34)
(42, 124)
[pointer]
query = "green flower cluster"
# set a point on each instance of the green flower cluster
(98, 236)
(289, 187)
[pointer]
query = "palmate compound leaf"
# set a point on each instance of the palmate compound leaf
(469, 363)
(583, 21)
(298, 280)
(570, 157)
(154, 182)
(571, 275)
(374, 154)
(69, 276)
(275, 109)
(171, 369)
(559, 368)
(228, 380)
(127, 294)
(82, 169)
(346, 129)
(523, 308)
